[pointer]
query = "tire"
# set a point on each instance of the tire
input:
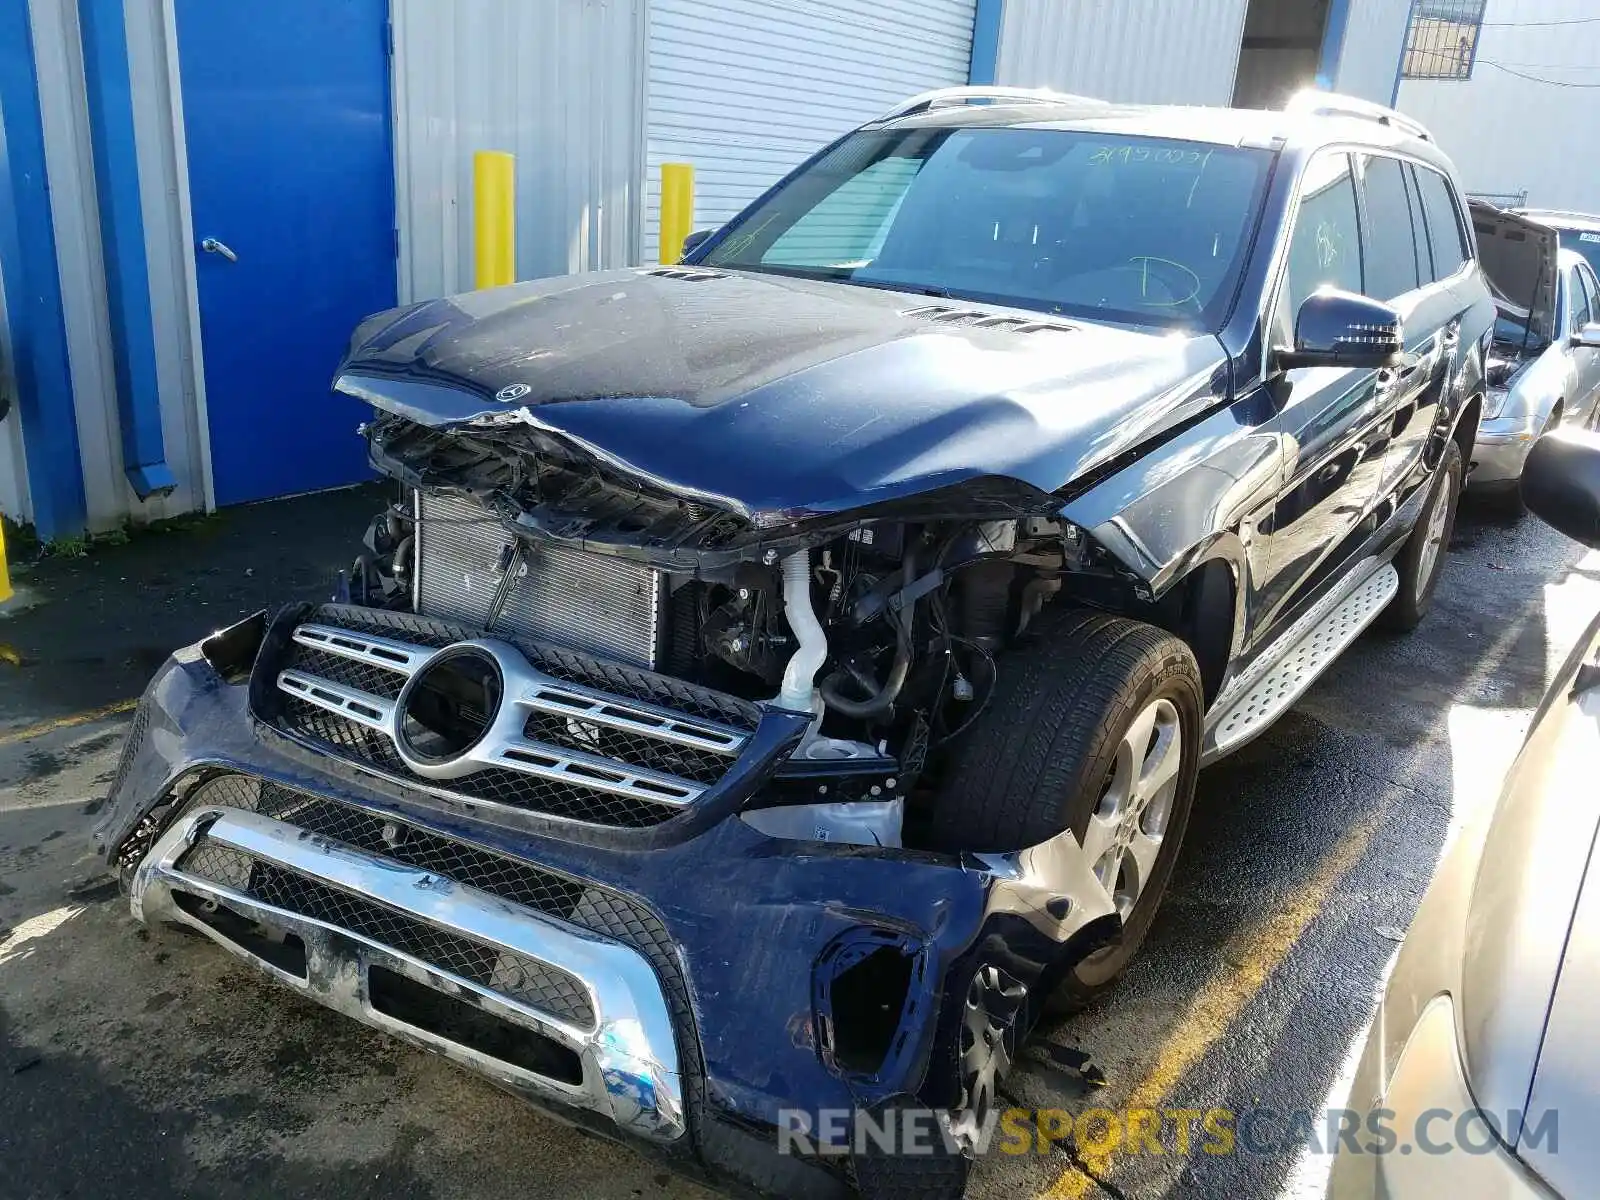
(885, 1175)
(1420, 570)
(1044, 759)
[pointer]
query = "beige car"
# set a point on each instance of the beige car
(1481, 1074)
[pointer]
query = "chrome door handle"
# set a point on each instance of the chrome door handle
(213, 246)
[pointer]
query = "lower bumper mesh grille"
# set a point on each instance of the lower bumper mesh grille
(511, 879)
(552, 986)
(534, 983)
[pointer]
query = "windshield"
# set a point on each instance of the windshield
(1585, 241)
(1140, 230)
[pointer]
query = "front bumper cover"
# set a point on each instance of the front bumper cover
(1500, 451)
(711, 979)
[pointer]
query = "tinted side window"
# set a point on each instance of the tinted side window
(1578, 301)
(1391, 249)
(1444, 224)
(1592, 289)
(1325, 246)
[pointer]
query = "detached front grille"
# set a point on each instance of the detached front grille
(597, 742)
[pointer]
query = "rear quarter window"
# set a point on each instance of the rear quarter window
(1446, 239)
(1391, 245)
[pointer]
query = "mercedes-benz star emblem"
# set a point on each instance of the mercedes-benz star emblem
(512, 391)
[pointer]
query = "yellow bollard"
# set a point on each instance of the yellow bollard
(677, 210)
(494, 217)
(5, 577)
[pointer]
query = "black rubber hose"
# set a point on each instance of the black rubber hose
(886, 695)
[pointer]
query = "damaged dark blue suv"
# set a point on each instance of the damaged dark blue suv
(783, 676)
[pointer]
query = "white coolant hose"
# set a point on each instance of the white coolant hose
(799, 677)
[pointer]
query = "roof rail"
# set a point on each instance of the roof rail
(1311, 102)
(951, 96)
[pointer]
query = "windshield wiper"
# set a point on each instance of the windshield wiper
(841, 275)
(916, 289)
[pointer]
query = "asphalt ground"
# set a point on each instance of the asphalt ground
(149, 1064)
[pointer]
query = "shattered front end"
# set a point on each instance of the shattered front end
(595, 928)
(618, 783)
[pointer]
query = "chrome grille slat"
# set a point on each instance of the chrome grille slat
(400, 657)
(568, 700)
(602, 774)
(362, 707)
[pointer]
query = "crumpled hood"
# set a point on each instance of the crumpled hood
(1519, 258)
(767, 392)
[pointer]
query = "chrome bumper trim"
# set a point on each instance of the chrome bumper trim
(629, 1057)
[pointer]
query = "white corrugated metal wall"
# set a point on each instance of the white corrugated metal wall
(1374, 39)
(560, 85)
(1135, 51)
(747, 89)
(1525, 120)
(1163, 52)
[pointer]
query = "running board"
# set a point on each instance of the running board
(1309, 649)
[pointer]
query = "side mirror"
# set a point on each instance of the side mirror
(1561, 483)
(692, 242)
(1341, 329)
(1588, 336)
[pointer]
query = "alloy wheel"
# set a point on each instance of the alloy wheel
(1125, 830)
(1438, 518)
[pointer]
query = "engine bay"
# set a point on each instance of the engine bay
(884, 627)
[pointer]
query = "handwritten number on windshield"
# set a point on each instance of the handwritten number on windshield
(1170, 155)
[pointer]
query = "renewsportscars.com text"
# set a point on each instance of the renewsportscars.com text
(1179, 1131)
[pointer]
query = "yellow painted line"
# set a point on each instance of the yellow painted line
(28, 733)
(1253, 954)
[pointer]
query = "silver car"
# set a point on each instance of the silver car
(1544, 368)
(1481, 1073)
(1579, 231)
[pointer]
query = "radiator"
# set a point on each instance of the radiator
(606, 606)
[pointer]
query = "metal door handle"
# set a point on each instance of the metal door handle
(213, 246)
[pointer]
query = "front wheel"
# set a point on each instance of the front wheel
(1094, 727)
(1421, 560)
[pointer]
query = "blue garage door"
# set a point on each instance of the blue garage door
(291, 179)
